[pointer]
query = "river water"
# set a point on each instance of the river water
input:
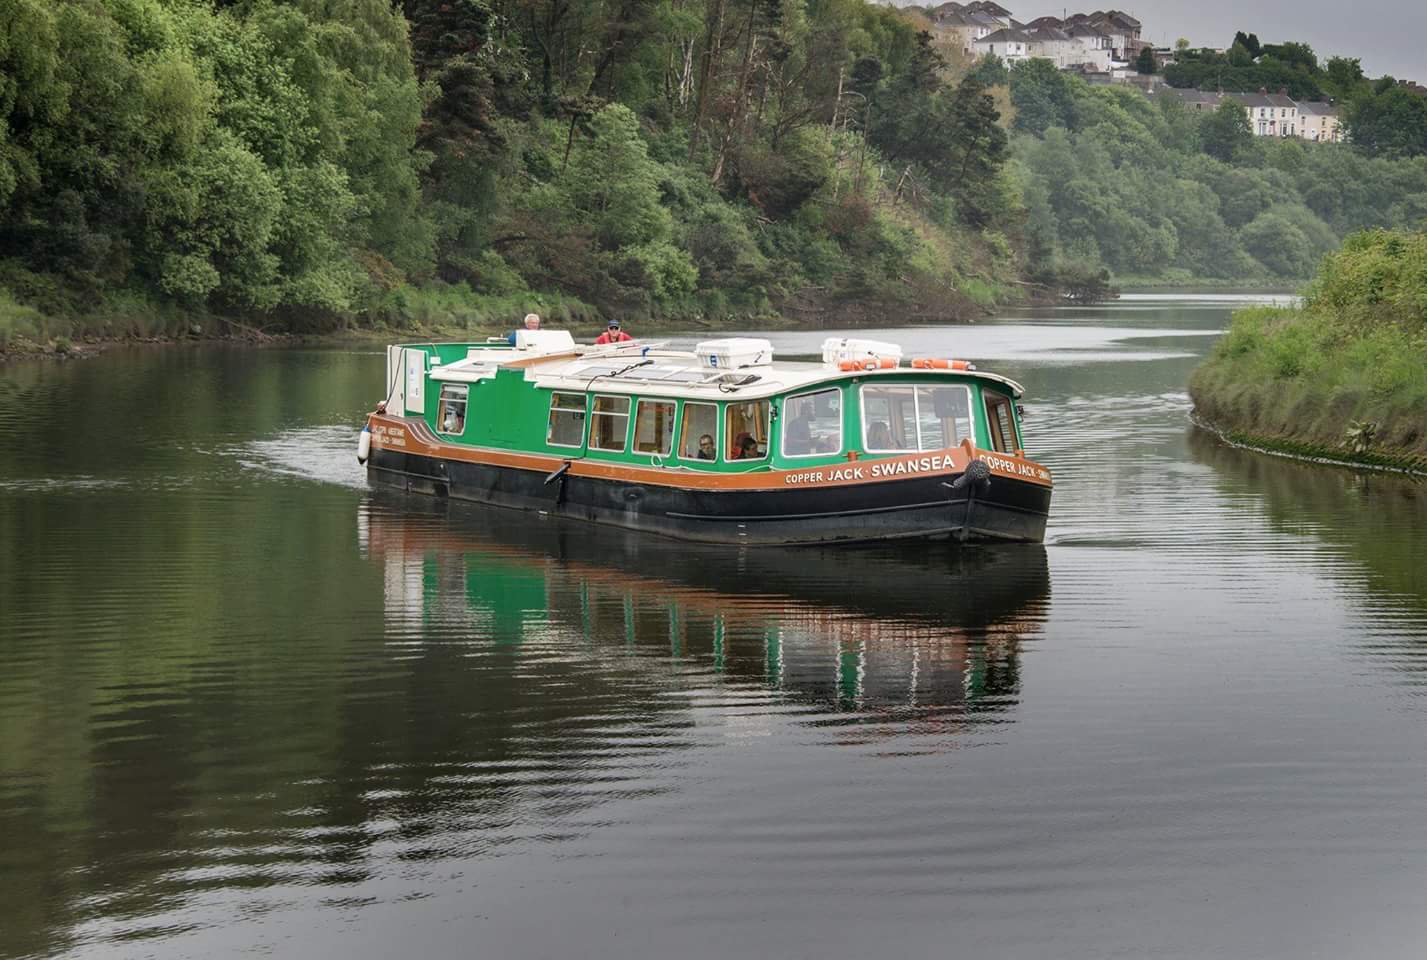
(248, 705)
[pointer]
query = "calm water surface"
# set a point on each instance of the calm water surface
(249, 706)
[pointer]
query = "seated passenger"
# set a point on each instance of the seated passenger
(799, 438)
(706, 447)
(745, 448)
(879, 437)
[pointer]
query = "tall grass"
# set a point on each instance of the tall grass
(1354, 353)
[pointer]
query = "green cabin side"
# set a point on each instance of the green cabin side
(815, 425)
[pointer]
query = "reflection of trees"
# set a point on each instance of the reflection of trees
(208, 688)
(1378, 518)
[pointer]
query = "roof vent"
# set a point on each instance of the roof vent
(544, 341)
(840, 350)
(734, 353)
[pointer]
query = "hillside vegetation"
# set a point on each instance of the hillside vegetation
(1345, 375)
(308, 164)
(1150, 189)
(305, 165)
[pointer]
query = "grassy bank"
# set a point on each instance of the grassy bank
(1343, 376)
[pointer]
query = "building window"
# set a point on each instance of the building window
(747, 433)
(609, 424)
(698, 435)
(812, 424)
(451, 410)
(654, 427)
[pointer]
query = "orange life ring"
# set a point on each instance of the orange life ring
(940, 363)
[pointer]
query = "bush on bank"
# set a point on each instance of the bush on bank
(1354, 354)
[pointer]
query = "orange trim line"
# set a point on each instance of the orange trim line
(410, 435)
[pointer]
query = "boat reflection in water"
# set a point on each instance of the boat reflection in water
(930, 628)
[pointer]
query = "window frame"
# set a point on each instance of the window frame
(590, 434)
(583, 418)
(441, 401)
(684, 422)
(785, 421)
(673, 426)
(990, 398)
(916, 413)
(728, 409)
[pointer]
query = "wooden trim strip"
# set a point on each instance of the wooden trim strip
(412, 435)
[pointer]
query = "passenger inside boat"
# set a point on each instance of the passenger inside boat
(747, 430)
(879, 436)
(700, 424)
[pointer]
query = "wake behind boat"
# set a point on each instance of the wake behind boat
(721, 444)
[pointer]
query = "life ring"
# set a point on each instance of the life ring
(941, 363)
(872, 363)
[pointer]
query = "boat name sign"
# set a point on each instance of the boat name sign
(876, 471)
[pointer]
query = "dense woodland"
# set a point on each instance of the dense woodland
(311, 164)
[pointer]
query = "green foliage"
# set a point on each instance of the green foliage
(1145, 63)
(1150, 189)
(1225, 133)
(1388, 120)
(1344, 370)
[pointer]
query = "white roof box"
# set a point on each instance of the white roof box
(734, 353)
(837, 350)
(544, 341)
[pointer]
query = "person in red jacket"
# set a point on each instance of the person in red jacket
(612, 335)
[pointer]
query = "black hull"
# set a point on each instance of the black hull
(1007, 510)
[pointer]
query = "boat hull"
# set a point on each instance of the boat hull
(1005, 509)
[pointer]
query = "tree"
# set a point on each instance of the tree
(1145, 63)
(1388, 120)
(1042, 95)
(1225, 133)
(1250, 43)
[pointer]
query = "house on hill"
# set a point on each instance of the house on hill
(1319, 122)
(1010, 45)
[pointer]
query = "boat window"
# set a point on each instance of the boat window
(812, 424)
(908, 418)
(747, 434)
(889, 419)
(1000, 423)
(654, 427)
(698, 437)
(609, 423)
(943, 416)
(451, 409)
(567, 420)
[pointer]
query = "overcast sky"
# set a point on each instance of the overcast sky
(1389, 36)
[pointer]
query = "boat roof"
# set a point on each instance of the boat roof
(645, 368)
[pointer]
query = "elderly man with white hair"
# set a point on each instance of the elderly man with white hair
(532, 322)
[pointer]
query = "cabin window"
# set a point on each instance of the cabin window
(909, 418)
(654, 427)
(747, 435)
(567, 420)
(698, 436)
(609, 424)
(943, 416)
(451, 409)
(1000, 421)
(812, 424)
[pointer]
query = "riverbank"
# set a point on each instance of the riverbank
(1342, 377)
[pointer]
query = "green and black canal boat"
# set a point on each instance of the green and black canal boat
(722, 444)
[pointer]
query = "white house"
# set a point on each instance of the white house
(1319, 122)
(1270, 114)
(1010, 45)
